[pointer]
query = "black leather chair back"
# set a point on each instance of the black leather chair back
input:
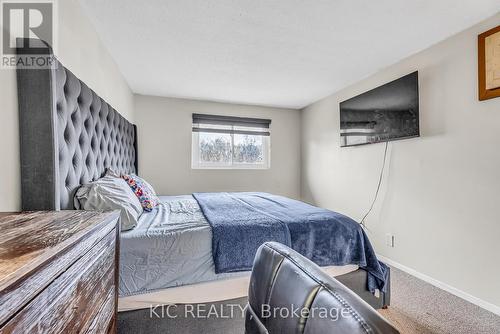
(289, 294)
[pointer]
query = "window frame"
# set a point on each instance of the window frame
(197, 164)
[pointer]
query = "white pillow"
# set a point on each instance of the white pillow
(110, 193)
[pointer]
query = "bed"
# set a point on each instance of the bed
(69, 137)
(168, 258)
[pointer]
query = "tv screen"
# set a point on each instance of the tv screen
(386, 113)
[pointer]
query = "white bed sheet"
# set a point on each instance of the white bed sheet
(171, 246)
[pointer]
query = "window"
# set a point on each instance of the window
(230, 142)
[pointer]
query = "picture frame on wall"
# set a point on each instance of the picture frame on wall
(489, 64)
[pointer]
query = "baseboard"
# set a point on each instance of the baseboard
(454, 291)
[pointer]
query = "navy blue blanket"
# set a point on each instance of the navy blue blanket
(241, 222)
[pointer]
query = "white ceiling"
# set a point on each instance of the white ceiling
(286, 53)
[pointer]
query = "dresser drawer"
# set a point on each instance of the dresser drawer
(101, 323)
(78, 300)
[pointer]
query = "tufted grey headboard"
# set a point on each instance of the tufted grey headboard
(69, 136)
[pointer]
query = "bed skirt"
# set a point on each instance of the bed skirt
(205, 292)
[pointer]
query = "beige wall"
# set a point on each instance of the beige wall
(441, 192)
(81, 51)
(164, 126)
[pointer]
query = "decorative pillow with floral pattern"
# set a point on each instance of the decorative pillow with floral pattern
(143, 190)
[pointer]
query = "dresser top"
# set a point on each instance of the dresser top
(28, 240)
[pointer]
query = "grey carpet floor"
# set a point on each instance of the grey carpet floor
(416, 307)
(181, 320)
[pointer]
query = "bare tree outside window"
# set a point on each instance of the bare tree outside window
(248, 149)
(215, 148)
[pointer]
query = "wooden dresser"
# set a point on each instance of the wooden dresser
(58, 272)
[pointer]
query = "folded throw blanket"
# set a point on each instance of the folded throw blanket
(241, 222)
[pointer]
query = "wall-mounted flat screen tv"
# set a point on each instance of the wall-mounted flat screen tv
(386, 113)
